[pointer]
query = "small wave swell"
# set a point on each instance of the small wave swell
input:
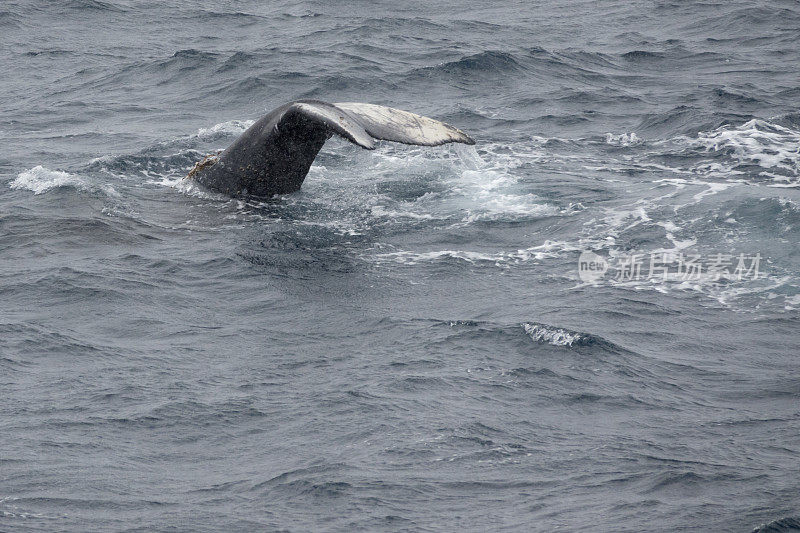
(484, 62)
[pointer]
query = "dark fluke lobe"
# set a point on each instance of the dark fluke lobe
(274, 155)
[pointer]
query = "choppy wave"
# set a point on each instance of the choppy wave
(623, 139)
(40, 180)
(538, 332)
(548, 249)
(756, 143)
(781, 525)
(224, 129)
(557, 336)
(487, 62)
(169, 341)
(84, 5)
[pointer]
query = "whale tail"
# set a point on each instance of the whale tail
(274, 155)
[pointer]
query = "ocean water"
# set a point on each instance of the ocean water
(408, 343)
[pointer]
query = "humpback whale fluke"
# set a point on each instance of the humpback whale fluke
(273, 156)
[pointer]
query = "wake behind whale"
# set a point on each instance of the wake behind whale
(274, 155)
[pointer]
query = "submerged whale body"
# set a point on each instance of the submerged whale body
(273, 156)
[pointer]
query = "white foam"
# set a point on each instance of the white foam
(472, 189)
(712, 188)
(412, 258)
(186, 186)
(623, 139)
(108, 158)
(619, 219)
(231, 127)
(488, 191)
(40, 180)
(757, 142)
(551, 335)
(773, 150)
(727, 295)
(792, 302)
(383, 211)
(549, 249)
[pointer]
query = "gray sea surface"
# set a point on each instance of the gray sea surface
(407, 343)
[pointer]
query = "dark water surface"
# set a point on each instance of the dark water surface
(406, 344)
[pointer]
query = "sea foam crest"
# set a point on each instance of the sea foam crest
(231, 127)
(623, 139)
(40, 179)
(548, 249)
(554, 336)
(758, 142)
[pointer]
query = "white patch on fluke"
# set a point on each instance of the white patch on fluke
(391, 124)
(340, 122)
